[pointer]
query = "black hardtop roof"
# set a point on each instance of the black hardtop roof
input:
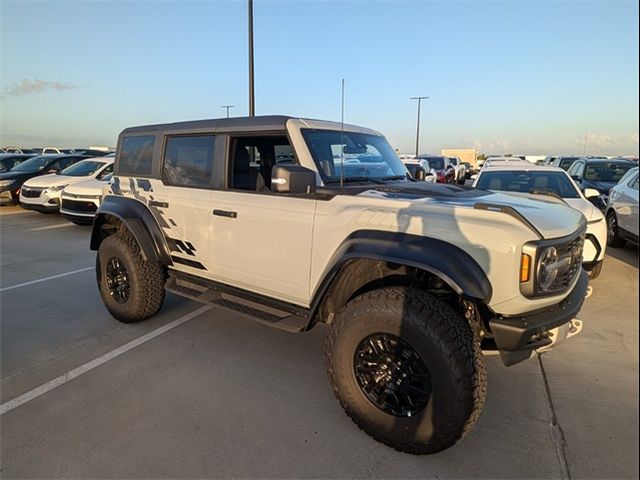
(265, 122)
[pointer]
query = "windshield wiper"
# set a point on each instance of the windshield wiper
(395, 177)
(352, 179)
(545, 191)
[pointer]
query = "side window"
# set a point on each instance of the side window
(252, 159)
(136, 154)
(634, 183)
(105, 172)
(577, 169)
(188, 161)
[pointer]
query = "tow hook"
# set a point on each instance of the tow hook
(558, 334)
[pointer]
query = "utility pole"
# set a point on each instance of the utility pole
(227, 107)
(252, 100)
(418, 123)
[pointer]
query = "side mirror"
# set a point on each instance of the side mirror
(287, 178)
(591, 193)
(420, 173)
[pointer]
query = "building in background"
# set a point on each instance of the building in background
(468, 155)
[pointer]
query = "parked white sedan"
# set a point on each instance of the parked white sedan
(43, 193)
(522, 179)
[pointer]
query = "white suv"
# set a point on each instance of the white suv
(43, 193)
(410, 276)
(528, 179)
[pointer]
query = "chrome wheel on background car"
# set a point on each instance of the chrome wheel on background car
(613, 238)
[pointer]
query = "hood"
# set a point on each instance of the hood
(52, 180)
(550, 216)
(22, 176)
(88, 187)
(602, 187)
(587, 208)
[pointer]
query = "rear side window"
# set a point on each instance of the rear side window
(188, 161)
(136, 154)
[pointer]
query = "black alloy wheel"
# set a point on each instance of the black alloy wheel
(392, 375)
(117, 280)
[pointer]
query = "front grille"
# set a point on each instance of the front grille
(31, 192)
(85, 207)
(572, 250)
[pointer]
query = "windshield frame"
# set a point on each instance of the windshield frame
(399, 173)
(100, 163)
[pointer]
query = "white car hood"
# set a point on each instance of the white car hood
(53, 180)
(552, 217)
(88, 187)
(587, 208)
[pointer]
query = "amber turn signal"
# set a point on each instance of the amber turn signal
(525, 268)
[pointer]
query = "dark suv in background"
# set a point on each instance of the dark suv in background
(10, 160)
(11, 181)
(600, 174)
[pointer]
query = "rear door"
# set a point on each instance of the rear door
(627, 208)
(187, 171)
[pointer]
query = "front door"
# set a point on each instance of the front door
(261, 241)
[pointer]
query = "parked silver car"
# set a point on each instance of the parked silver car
(622, 211)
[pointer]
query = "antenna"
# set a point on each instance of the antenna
(342, 139)
(586, 137)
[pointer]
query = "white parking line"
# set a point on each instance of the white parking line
(46, 278)
(49, 227)
(76, 372)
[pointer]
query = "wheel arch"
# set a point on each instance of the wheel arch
(369, 258)
(121, 212)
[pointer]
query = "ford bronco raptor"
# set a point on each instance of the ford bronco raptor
(296, 222)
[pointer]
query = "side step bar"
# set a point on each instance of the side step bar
(267, 311)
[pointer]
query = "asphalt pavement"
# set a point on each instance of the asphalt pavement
(214, 394)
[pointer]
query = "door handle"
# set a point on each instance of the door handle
(225, 213)
(155, 203)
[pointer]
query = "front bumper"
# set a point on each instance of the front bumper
(517, 337)
(40, 208)
(6, 196)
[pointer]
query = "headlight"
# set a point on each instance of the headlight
(549, 267)
(5, 183)
(57, 188)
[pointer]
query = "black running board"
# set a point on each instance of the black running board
(267, 311)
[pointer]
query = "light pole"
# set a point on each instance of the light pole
(252, 100)
(418, 123)
(227, 107)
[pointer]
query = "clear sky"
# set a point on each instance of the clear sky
(505, 77)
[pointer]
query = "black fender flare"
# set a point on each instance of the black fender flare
(449, 262)
(139, 220)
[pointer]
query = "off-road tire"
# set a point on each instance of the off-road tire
(595, 271)
(146, 279)
(446, 343)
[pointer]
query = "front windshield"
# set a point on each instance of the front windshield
(606, 172)
(82, 169)
(437, 163)
(33, 164)
(528, 182)
(359, 156)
